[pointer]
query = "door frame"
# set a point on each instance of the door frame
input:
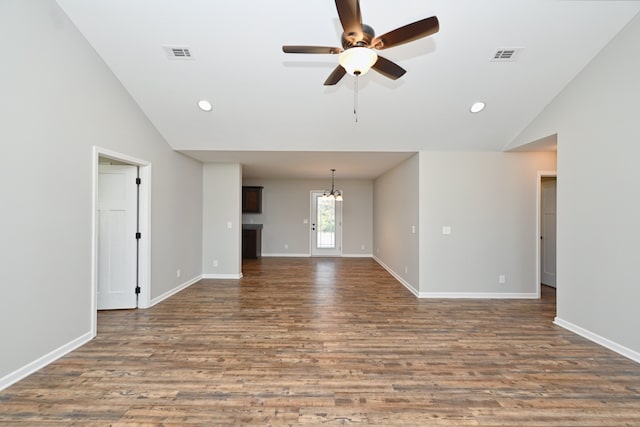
(541, 174)
(144, 215)
(312, 216)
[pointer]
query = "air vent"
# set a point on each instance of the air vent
(178, 52)
(509, 54)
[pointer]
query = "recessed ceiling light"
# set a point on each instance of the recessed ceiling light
(205, 105)
(477, 107)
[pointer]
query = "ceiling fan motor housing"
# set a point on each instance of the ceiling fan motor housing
(349, 41)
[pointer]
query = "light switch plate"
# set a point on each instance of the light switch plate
(446, 229)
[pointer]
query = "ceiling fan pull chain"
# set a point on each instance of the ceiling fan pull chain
(355, 99)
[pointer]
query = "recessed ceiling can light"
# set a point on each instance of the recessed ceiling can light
(205, 105)
(477, 107)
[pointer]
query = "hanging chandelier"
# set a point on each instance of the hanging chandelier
(333, 193)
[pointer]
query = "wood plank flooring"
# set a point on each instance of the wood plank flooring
(329, 341)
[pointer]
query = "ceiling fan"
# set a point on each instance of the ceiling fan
(357, 54)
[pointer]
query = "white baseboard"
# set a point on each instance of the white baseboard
(43, 361)
(274, 255)
(478, 295)
(452, 295)
(222, 276)
(173, 291)
(396, 276)
(613, 346)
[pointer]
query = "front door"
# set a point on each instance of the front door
(117, 245)
(326, 225)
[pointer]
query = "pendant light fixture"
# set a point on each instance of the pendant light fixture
(333, 193)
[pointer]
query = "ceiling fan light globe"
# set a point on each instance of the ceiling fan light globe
(357, 60)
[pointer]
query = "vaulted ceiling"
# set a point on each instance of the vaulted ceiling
(267, 101)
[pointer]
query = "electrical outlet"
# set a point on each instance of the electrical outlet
(178, 273)
(413, 229)
(215, 262)
(286, 246)
(502, 279)
(406, 269)
(362, 246)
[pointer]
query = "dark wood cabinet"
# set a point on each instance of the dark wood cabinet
(251, 240)
(251, 199)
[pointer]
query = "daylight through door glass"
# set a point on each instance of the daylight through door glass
(326, 220)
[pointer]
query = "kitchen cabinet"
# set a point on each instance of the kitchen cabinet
(251, 241)
(251, 199)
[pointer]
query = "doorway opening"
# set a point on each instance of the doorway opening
(546, 231)
(326, 225)
(120, 237)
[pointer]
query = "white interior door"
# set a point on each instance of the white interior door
(326, 225)
(117, 245)
(548, 232)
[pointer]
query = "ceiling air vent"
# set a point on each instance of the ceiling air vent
(508, 54)
(178, 52)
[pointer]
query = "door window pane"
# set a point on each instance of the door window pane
(326, 220)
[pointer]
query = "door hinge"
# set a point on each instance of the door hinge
(137, 290)
(138, 236)
(138, 181)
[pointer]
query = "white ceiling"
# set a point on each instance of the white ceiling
(266, 100)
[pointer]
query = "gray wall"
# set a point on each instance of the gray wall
(395, 212)
(596, 119)
(489, 202)
(58, 100)
(221, 206)
(286, 204)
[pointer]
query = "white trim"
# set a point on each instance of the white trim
(613, 346)
(287, 255)
(541, 174)
(222, 276)
(173, 291)
(144, 267)
(43, 361)
(357, 255)
(479, 295)
(397, 277)
(454, 295)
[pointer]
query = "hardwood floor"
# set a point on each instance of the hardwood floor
(329, 342)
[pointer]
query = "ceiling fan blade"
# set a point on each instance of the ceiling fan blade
(408, 33)
(388, 68)
(350, 18)
(310, 49)
(335, 76)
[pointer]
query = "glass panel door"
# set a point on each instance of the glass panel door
(326, 225)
